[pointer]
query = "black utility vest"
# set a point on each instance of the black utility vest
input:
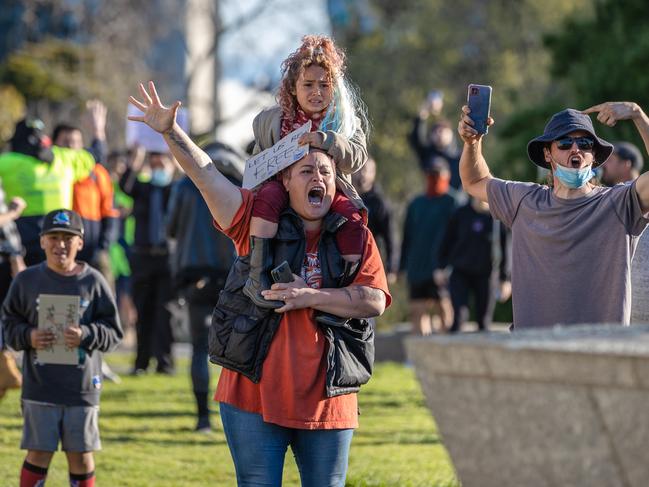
(241, 333)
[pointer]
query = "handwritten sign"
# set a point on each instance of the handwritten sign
(271, 161)
(139, 133)
(55, 314)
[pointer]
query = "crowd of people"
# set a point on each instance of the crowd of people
(128, 232)
(452, 251)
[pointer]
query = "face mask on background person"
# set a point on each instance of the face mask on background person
(160, 177)
(437, 184)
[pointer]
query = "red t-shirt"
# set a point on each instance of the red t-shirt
(291, 391)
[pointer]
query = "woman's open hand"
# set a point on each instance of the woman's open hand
(157, 116)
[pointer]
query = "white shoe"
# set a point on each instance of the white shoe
(109, 374)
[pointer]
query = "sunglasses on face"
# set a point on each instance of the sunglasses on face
(583, 143)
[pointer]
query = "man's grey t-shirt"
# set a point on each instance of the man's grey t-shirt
(571, 259)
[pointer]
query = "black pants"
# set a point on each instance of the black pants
(151, 289)
(5, 282)
(199, 321)
(461, 285)
(201, 292)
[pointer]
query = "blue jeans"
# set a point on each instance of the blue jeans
(258, 450)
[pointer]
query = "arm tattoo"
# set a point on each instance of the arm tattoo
(349, 295)
(366, 293)
(192, 152)
(179, 142)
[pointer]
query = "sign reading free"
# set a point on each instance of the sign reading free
(266, 164)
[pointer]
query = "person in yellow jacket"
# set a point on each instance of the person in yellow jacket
(43, 176)
(37, 178)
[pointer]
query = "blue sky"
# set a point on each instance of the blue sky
(254, 53)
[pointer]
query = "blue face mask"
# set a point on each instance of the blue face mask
(160, 177)
(574, 178)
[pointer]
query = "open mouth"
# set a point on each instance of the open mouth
(575, 161)
(316, 195)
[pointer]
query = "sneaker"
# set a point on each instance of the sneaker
(166, 371)
(137, 372)
(109, 374)
(203, 425)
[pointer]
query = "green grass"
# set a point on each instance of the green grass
(146, 428)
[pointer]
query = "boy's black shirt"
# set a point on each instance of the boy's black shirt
(69, 385)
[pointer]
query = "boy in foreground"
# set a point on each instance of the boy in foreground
(60, 402)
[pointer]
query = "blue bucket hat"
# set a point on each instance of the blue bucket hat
(563, 123)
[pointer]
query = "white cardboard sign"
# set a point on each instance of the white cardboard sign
(139, 133)
(55, 314)
(269, 162)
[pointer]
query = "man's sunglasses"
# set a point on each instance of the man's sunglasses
(583, 143)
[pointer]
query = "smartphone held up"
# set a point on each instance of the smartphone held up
(479, 102)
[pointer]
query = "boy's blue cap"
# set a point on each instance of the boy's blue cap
(63, 220)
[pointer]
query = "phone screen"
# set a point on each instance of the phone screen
(479, 102)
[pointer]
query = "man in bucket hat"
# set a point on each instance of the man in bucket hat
(573, 239)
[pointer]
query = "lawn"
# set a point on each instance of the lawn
(148, 439)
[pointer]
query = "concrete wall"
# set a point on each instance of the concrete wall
(561, 407)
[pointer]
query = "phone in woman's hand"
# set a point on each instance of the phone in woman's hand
(282, 273)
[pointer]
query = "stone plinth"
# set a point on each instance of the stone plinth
(388, 345)
(558, 407)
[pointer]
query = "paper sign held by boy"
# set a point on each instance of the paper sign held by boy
(266, 164)
(55, 314)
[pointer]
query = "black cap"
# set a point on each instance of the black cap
(29, 138)
(63, 221)
(438, 164)
(629, 152)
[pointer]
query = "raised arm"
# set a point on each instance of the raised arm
(97, 114)
(474, 171)
(222, 197)
(14, 210)
(609, 113)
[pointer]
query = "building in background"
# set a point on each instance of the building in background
(189, 48)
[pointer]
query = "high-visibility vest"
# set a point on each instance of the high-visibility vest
(44, 186)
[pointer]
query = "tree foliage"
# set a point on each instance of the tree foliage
(420, 45)
(13, 109)
(63, 53)
(51, 71)
(604, 58)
